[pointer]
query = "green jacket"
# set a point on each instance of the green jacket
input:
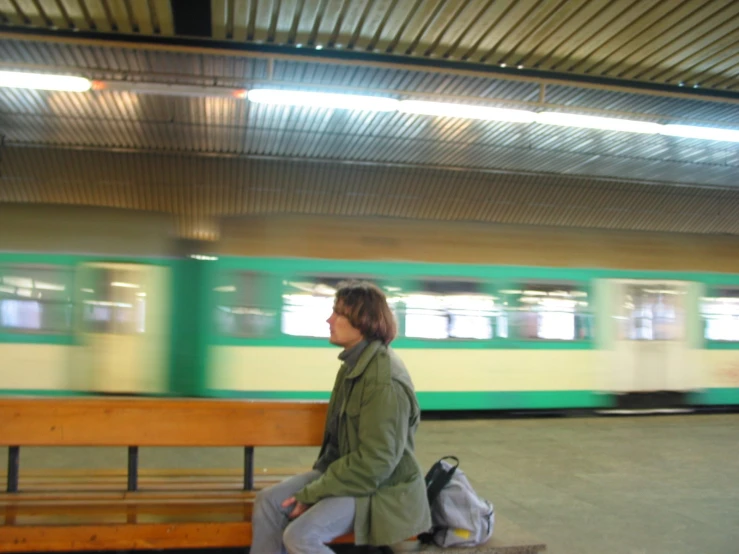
(378, 417)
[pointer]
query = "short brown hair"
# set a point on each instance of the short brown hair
(365, 306)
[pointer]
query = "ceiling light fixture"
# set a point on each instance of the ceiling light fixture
(692, 131)
(593, 122)
(466, 111)
(44, 81)
(322, 100)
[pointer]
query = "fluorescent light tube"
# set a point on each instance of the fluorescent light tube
(42, 81)
(707, 133)
(323, 100)
(466, 111)
(593, 122)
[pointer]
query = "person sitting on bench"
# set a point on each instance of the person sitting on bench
(366, 479)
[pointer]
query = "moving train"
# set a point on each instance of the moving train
(490, 317)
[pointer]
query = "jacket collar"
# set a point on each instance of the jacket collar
(351, 356)
(364, 360)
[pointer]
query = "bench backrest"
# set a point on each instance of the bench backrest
(159, 422)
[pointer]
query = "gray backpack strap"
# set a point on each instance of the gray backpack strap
(438, 477)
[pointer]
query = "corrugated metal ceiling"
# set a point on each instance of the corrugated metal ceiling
(200, 189)
(689, 41)
(201, 157)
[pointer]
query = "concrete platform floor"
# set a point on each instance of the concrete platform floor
(584, 485)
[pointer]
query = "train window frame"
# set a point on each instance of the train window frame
(660, 327)
(715, 292)
(64, 273)
(120, 278)
(338, 277)
(414, 285)
(514, 291)
(266, 308)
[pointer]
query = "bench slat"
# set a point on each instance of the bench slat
(160, 422)
(72, 473)
(145, 485)
(72, 497)
(146, 536)
(141, 536)
(146, 512)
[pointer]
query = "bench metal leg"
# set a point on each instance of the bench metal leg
(249, 468)
(133, 467)
(14, 462)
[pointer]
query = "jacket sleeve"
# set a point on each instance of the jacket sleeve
(383, 429)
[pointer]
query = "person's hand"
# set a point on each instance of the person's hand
(299, 508)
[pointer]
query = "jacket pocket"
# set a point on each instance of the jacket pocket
(350, 420)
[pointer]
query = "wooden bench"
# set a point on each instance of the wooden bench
(71, 510)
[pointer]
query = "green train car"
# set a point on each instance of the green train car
(244, 316)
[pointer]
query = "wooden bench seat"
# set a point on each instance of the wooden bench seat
(78, 510)
(161, 525)
(154, 522)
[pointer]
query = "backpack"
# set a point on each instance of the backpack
(459, 517)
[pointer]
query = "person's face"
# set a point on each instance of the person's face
(343, 333)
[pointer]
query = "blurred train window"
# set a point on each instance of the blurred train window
(36, 300)
(453, 310)
(114, 301)
(720, 312)
(652, 313)
(550, 312)
(242, 306)
(307, 302)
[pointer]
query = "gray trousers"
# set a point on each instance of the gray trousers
(274, 533)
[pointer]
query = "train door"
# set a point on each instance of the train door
(122, 328)
(651, 348)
